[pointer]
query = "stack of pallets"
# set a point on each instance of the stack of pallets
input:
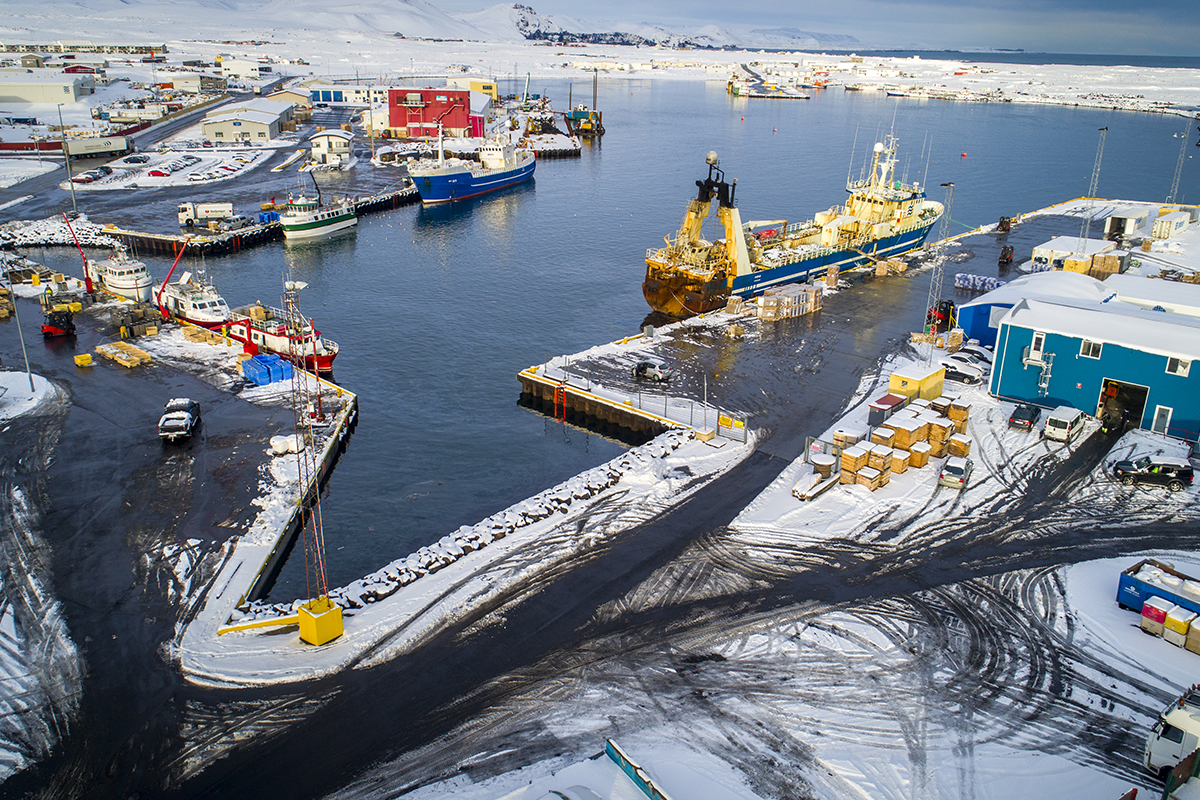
(124, 354)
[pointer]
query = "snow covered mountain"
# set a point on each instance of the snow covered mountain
(517, 22)
(168, 20)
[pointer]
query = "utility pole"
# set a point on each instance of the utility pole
(62, 132)
(1187, 124)
(935, 278)
(1087, 217)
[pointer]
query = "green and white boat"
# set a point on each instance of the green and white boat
(307, 217)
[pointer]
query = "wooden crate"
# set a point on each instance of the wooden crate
(854, 458)
(940, 430)
(918, 456)
(959, 445)
(879, 457)
(942, 404)
(900, 461)
(960, 426)
(906, 431)
(848, 476)
(869, 478)
(884, 436)
(937, 449)
(959, 410)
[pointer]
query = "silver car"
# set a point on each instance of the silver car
(651, 371)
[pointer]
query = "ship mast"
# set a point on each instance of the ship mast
(320, 618)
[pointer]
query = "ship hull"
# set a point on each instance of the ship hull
(444, 187)
(678, 295)
(311, 230)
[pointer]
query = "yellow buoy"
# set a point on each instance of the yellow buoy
(320, 621)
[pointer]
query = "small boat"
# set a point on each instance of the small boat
(121, 275)
(308, 217)
(265, 330)
(194, 300)
(501, 165)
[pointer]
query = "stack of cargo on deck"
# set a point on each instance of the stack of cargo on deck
(786, 302)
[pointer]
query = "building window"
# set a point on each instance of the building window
(1178, 366)
(219, 134)
(1090, 349)
(262, 134)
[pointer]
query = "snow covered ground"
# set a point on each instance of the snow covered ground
(14, 169)
(949, 692)
(40, 668)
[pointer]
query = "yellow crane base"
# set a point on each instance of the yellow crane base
(320, 621)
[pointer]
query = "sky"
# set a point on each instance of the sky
(1153, 27)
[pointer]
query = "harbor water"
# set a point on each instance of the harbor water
(436, 309)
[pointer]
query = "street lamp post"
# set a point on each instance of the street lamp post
(62, 132)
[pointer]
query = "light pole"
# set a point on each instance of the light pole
(13, 296)
(62, 132)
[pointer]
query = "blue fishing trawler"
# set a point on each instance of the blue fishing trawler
(500, 165)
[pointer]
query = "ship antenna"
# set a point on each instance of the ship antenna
(928, 156)
(850, 166)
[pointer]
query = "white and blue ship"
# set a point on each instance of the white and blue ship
(883, 217)
(500, 165)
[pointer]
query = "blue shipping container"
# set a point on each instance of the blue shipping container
(1132, 591)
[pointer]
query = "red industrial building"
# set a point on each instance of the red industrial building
(414, 113)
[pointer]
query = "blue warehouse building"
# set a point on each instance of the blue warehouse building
(1109, 356)
(980, 318)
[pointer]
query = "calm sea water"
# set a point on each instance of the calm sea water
(437, 310)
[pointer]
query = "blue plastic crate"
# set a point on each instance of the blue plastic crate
(256, 372)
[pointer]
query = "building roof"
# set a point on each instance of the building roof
(1071, 244)
(46, 78)
(259, 104)
(260, 117)
(1049, 286)
(1172, 335)
(1172, 296)
(341, 134)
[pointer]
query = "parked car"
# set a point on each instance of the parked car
(1194, 454)
(956, 472)
(234, 223)
(1174, 473)
(83, 177)
(191, 159)
(979, 352)
(136, 159)
(962, 365)
(651, 371)
(1025, 416)
(159, 173)
(181, 417)
(104, 169)
(956, 372)
(970, 360)
(1063, 424)
(197, 176)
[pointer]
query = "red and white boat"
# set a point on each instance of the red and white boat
(262, 329)
(194, 300)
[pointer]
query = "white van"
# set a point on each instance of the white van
(1063, 424)
(1175, 735)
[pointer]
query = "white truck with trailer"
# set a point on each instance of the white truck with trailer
(193, 213)
(99, 146)
(1176, 734)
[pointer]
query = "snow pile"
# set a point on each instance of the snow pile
(467, 539)
(54, 231)
(16, 397)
